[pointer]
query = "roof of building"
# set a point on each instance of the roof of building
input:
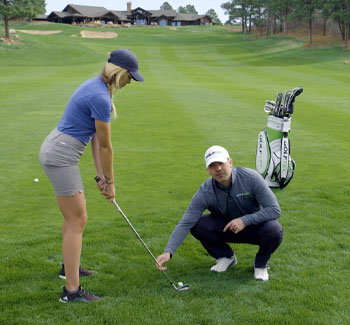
(141, 11)
(119, 14)
(187, 17)
(63, 14)
(88, 11)
(159, 13)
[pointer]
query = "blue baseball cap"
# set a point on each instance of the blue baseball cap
(126, 59)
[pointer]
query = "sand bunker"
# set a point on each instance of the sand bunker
(39, 32)
(89, 34)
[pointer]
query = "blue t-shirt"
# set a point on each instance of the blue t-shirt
(89, 102)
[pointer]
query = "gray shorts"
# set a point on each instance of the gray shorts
(59, 156)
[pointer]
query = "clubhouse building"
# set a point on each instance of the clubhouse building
(139, 16)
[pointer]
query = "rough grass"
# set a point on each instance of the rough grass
(203, 86)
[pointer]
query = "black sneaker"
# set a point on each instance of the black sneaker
(81, 295)
(82, 272)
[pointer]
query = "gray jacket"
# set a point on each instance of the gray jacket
(248, 198)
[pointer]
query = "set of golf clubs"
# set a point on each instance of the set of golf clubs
(283, 105)
(181, 286)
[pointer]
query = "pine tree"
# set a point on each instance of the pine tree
(10, 9)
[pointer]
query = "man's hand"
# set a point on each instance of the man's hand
(235, 225)
(161, 259)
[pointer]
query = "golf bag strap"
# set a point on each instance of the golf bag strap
(284, 159)
(284, 183)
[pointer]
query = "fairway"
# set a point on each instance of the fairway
(204, 86)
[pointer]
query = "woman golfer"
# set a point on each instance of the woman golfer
(86, 117)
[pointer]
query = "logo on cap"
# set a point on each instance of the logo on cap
(215, 154)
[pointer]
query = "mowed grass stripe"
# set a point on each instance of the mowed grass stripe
(209, 107)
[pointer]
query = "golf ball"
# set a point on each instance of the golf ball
(180, 284)
(36, 180)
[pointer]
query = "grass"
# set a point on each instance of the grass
(203, 86)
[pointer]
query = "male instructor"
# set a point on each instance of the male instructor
(242, 209)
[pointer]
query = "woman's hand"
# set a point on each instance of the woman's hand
(99, 182)
(108, 189)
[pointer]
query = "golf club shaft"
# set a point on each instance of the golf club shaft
(141, 240)
(184, 287)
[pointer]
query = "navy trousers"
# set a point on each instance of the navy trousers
(209, 231)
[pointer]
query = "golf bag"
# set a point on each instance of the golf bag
(273, 160)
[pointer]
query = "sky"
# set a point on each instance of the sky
(202, 6)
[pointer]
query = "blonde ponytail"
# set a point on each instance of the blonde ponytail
(111, 75)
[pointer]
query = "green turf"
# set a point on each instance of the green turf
(203, 86)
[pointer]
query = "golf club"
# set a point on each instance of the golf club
(287, 97)
(279, 98)
(269, 106)
(181, 286)
(295, 92)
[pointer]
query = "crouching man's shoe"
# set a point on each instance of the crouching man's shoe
(223, 263)
(261, 274)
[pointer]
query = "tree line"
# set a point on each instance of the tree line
(274, 15)
(190, 9)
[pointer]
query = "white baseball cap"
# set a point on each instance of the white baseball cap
(215, 154)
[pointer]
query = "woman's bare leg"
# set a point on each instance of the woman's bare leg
(73, 209)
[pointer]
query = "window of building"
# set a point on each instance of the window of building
(141, 21)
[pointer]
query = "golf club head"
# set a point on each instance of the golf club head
(269, 106)
(270, 103)
(184, 287)
(295, 92)
(279, 98)
(287, 96)
(268, 109)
